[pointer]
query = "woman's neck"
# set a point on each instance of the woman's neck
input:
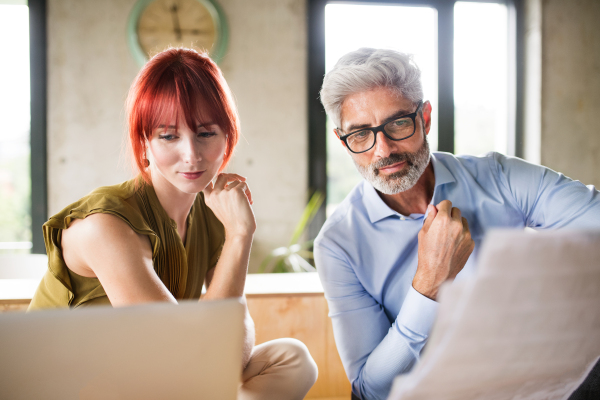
(176, 203)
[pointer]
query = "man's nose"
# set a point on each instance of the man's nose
(383, 145)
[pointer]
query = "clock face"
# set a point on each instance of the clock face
(160, 24)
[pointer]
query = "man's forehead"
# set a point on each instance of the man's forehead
(372, 107)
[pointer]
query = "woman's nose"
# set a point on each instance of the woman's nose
(192, 151)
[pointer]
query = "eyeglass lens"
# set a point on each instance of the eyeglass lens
(398, 129)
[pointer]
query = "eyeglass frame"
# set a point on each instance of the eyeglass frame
(379, 128)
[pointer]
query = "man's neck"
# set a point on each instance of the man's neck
(416, 199)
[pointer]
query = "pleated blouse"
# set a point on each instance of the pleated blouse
(182, 267)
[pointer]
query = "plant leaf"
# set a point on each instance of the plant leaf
(315, 202)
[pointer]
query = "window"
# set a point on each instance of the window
(23, 134)
(466, 51)
(15, 176)
(342, 36)
(480, 78)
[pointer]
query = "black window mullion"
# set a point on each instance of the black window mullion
(317, 119)
(445, 10)
(38, 80)
(516, 67)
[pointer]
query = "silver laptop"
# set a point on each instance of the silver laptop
(155, 351)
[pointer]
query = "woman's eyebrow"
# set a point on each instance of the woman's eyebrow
(200, 125)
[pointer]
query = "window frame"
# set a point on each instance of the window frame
(39, 84)
(317, 119)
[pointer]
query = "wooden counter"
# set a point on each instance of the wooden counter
(282, 305)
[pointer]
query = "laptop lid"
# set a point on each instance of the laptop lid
(151, 351)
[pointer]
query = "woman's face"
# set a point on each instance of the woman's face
(187, 157)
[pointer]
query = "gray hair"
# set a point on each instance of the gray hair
(366, 69)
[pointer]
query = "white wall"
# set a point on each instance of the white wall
(90, 69)
(89, 72)
(266, 69)
(570, 88)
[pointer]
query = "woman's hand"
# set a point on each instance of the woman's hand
(230, 199)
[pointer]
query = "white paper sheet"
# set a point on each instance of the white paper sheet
(527, 326)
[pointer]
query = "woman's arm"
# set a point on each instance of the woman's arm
(229, 199)
(220, 282)
(104, 246)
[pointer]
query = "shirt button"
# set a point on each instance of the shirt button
(402, 218)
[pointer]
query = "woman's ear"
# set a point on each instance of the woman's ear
(147, 151)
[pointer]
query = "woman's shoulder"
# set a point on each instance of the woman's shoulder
(123, 190)
(118, 200)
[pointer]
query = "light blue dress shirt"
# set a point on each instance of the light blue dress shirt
(366, 255)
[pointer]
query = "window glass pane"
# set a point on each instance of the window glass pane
(15, 177)
(351, 26)
(480, 78)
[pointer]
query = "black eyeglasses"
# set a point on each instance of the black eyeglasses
(399, 129)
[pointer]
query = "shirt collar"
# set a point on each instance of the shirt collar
(378, 210)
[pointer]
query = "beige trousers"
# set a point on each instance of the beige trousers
(281, 369)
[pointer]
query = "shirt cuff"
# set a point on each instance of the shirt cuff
(418, 312)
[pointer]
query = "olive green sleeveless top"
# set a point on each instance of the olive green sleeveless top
(181, 266)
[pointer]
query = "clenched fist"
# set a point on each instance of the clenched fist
(445, 245)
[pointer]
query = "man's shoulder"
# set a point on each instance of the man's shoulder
(467, 161)
(347, 211)
(480, 167)
(482, 160)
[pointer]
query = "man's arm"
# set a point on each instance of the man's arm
(374, 349)
(548, 199)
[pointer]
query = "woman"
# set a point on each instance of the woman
(160, 236)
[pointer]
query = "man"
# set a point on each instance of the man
(418, 218)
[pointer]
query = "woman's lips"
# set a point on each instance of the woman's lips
(390, 169)
(192, 175)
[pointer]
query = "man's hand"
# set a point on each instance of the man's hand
(445, 245)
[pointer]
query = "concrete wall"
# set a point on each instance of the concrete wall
(90, 70)
(570, 88)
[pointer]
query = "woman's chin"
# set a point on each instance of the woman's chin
(187, 186)
(191, 187)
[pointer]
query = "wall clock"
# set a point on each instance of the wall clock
(155, 25)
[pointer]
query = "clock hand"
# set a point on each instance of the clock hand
(176, 21)
(196, 31)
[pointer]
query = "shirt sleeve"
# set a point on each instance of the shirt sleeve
(547, 199)
(373, 349)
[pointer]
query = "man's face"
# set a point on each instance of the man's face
(390, 166)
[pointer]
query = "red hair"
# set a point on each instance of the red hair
(178, 82)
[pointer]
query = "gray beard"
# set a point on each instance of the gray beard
(400, 181)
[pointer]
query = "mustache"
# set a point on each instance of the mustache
(393, 159)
